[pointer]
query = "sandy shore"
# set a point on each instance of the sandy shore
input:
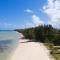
(30, 51)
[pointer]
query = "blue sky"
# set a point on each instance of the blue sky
(24, 13)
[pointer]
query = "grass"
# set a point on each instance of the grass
(54, 50)
(56, 56)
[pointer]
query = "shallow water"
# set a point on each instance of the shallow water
(8, 41)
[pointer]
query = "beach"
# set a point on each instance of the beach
(30, 51)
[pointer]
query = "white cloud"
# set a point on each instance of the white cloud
(28, 11)
(52, 9)
(29, 24)
(7, 25)
(36, 20)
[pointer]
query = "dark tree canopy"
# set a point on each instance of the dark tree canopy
(43, 33)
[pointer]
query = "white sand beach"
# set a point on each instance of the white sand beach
(30, 51)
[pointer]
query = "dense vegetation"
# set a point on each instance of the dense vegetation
(43, 33)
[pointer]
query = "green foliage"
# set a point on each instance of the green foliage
(43, 33)
(56, 52)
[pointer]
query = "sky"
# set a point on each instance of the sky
(15, 14)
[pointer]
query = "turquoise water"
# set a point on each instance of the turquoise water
(8, 41)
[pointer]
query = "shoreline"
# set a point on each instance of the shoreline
(30, 51)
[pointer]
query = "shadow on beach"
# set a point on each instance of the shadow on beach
(24, 40)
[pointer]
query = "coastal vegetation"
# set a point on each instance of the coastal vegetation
(46, 34)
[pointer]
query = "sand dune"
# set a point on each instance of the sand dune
(30, 51)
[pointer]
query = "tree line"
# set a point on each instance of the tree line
(43, 33)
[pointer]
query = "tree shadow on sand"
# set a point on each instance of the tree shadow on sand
(27, 40)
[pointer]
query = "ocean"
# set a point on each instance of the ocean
(8, 41)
